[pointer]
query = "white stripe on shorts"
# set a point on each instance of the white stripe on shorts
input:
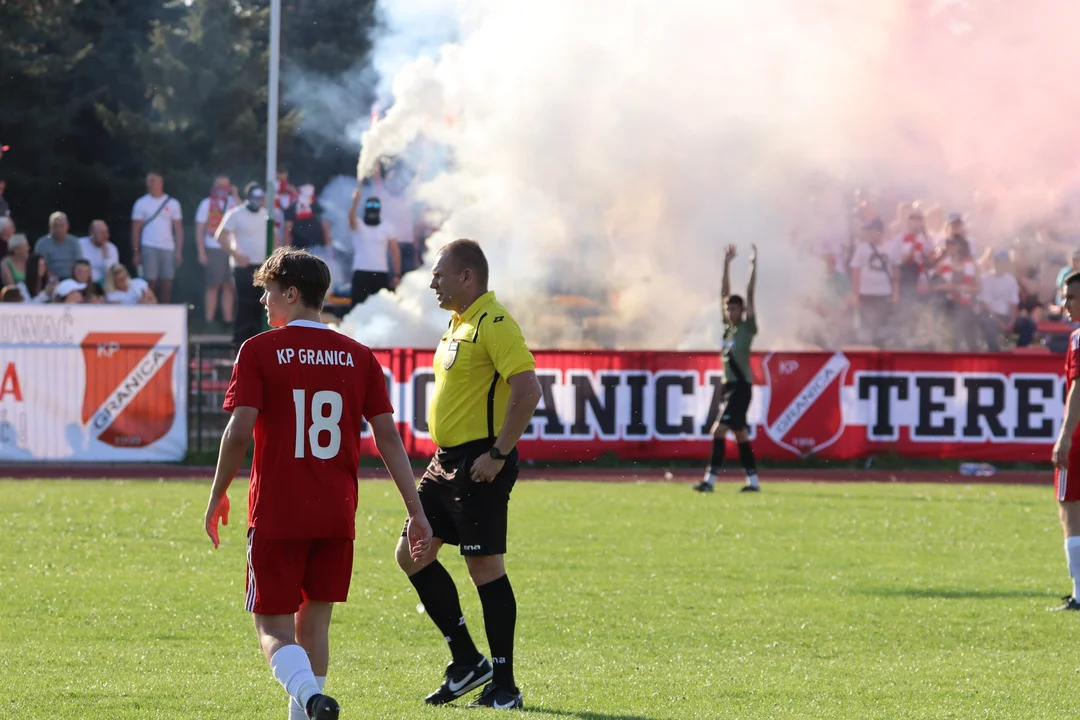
(249, 603)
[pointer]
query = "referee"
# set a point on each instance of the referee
(485, 394)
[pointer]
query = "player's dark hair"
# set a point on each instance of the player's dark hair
(467, 253)
(290, 267)
(1071, 279)
(736, 300)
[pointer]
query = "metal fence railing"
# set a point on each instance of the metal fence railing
(210, 370)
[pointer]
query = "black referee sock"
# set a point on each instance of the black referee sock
(717, 457)
(500, 617)
(439, 595)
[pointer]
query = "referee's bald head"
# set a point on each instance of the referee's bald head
(465, 254)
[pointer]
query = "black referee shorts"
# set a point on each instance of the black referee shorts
(462, 512)
(736, 403)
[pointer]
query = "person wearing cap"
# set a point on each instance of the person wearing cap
(242, 234)
(999, 303)
(69, 291)
(13, 266)
(873, 284)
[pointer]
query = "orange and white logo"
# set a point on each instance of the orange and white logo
(129, 388)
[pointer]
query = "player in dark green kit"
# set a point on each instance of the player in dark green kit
(740, 327)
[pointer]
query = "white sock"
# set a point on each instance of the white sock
(298, 713)
(1072, 554)
(709, 479)
(291, 668)
(751, 479)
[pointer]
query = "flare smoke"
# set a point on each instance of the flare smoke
(611, 148)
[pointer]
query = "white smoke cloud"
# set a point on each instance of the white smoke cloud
(612, 148)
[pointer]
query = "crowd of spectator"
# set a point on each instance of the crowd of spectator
(230, 241)
(922, 283)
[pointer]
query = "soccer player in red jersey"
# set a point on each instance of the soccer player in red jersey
(1066, 455)
(303, 389)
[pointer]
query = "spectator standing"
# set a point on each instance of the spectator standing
(1000, 301)
(13, 266)
(285, 195)
(157, 236)
(956, 285)
(7, 229)
(910, 252)
(1059, 283)
(215, 261)
(59, 249)
(957, 228)
(98, 251)
(872, 284)
(243, 236)
(5, 209)
(305, 227)
(374, 249)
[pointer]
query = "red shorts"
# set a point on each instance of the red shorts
(281, 574)
(1067, 482)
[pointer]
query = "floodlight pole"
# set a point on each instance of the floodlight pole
(272, 120)
(272, 126)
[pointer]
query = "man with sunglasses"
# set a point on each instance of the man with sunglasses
(375, 250)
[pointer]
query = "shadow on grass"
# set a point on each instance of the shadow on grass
(954, 594)
(584, 715)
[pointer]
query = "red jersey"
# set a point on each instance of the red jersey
(1072, 362)
(964, 274)
(311, 386)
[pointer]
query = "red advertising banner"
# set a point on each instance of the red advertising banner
(660, 405)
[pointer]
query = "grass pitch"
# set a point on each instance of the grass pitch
(636, 602)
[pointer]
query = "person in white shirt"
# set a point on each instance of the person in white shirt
(219, 282)
(873, 285)
(98, 251)
(122, 289)
(999, 301)
(375, 249)
(242, 235)
(157, 236)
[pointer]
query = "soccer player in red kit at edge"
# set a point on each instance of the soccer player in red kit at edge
(302, 389)
(1066, 455)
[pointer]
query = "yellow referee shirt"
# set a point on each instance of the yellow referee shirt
(478, 352)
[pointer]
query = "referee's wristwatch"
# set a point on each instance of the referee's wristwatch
(496, 455)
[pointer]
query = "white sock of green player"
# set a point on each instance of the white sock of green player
(291, 668)
(1072, 554)
(298, 713)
